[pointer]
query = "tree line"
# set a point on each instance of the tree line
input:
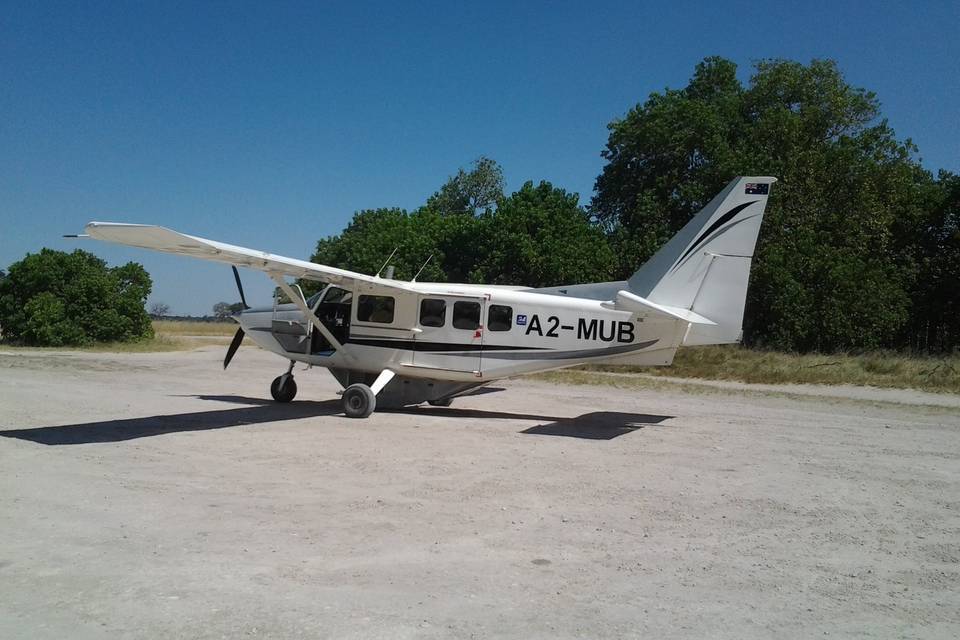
(860, 247)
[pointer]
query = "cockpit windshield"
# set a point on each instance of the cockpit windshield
(334, 295)
(338, 296)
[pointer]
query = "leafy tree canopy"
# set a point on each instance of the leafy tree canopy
(538, 236)
(53, 298)
(541, 237)
(935, 316)
(470, 192)
(847, 186)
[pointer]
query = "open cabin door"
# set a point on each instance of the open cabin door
(450, 333)
(288, 326)
(332, 308)
(297, 334)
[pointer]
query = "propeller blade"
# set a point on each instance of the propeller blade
(234, 345)
(243, 298)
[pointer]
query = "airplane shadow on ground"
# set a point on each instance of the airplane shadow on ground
(600, 425)
(257, 411)
(596, 425)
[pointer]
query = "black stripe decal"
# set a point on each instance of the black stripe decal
(562, 355)
(722, 220)
(492, 351)
(720, 233)
(414, 345)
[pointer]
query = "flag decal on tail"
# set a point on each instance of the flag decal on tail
(756, 188)
(722, 220)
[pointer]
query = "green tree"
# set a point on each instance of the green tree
(540, 237)
(830, 272)
(470, 192)
(935, 321)
(54, 298)
(373, 234)
(367, 242)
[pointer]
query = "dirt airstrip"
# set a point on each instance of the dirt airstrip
(156, 496)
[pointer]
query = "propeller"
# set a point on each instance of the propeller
(238, 336)
(236, 276)
(234, 345)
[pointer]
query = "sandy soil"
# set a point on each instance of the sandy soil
(155, 496)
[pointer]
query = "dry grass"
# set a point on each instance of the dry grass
(886, 370)
(181, 335)
(157, 343)
(169, 335)
(186, 328)
(160, 342)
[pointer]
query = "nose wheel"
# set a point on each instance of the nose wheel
(284, 388)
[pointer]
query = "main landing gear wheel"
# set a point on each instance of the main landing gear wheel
(359, 401)
(444, 402)
(283, 388)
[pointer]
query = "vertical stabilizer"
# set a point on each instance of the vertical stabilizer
(705, 268)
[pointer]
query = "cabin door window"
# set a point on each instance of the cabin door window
(449, 333)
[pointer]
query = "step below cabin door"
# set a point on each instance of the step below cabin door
(451, 333)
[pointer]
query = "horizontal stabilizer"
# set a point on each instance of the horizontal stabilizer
(626, 301)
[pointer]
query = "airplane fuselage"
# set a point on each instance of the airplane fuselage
(468, 333)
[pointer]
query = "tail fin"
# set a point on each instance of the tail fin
(705, 268)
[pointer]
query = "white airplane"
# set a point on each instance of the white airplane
(403, 343)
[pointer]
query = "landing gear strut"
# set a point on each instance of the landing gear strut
(283, 388)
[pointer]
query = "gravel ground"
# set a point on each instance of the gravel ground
(155, 496)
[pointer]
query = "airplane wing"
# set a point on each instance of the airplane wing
(168, 241)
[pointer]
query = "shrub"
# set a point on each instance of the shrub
(54, 298)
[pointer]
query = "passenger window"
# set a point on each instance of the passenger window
(466, 315)
(499, 318)
(433, 312)
(375, 309)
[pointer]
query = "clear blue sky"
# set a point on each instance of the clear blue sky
(267, 124)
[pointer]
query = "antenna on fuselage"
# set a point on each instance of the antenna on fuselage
(385, 262)
(422, 268)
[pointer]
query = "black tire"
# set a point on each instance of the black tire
(283, 391)
(443, 402)
(359, 401)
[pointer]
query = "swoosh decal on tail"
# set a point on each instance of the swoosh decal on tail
(722, 220)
